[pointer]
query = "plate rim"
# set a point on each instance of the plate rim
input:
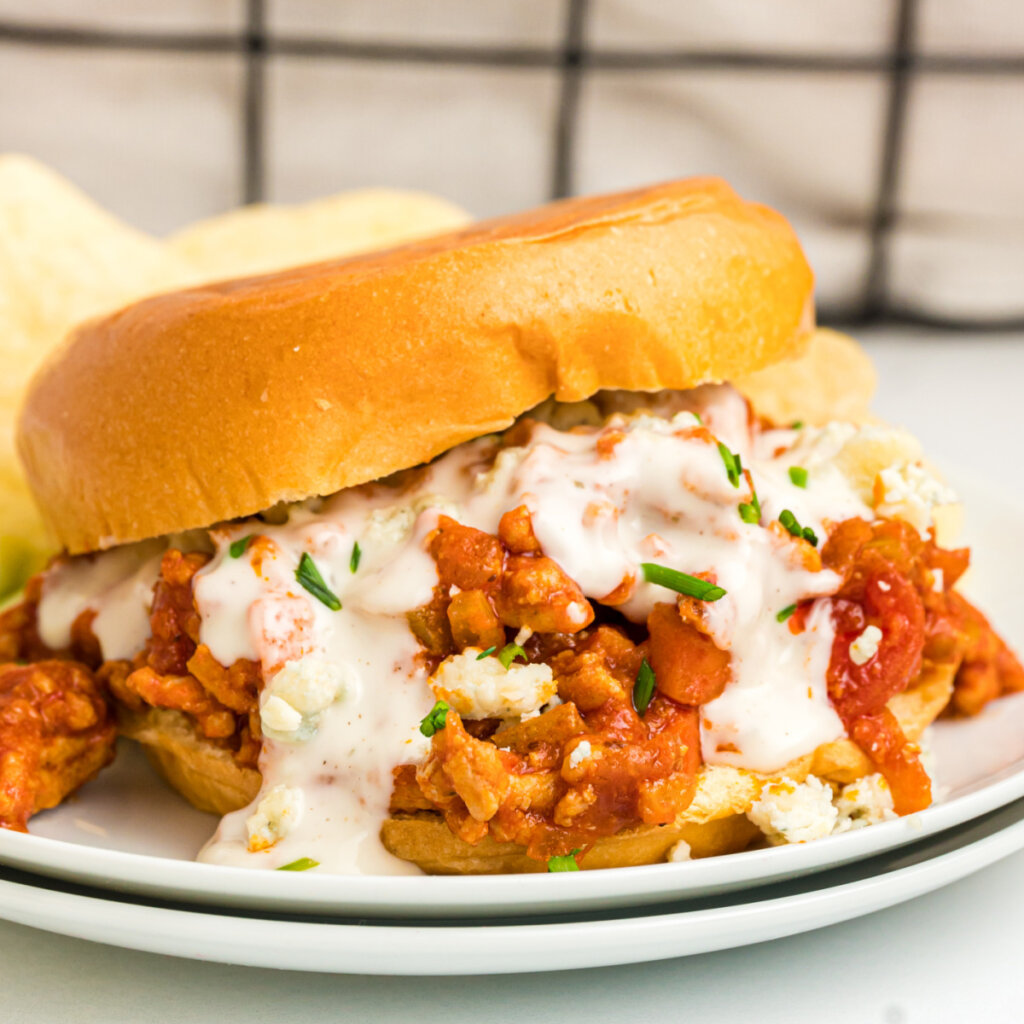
(466, 948)
(482, 895)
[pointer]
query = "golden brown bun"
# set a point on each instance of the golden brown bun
(205, 774)
(715, 823)
(426, 840)
(204, 405)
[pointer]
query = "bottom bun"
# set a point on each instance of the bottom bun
(426, 840)
(203, 773)
(714, 823)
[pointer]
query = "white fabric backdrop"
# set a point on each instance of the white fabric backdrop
(789, 100)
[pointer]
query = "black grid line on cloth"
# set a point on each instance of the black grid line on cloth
(568, 99)
(254, 105)
(898, 315)
(572, 58)
(597, 58)
(876, 285)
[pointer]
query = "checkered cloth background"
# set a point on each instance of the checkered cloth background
(891, 132)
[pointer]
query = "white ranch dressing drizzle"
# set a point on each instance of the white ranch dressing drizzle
(776, 708)
(660, 494)
(117, 585)
(344, 770)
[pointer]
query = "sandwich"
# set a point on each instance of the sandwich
(534, 546)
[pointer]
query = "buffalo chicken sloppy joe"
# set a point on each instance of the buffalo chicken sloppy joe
(466, 557)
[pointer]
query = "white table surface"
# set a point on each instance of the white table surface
(949, 956)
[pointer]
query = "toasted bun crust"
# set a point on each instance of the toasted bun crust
(204, 405)
(713, 824)
(205, 774)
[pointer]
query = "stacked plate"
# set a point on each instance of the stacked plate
(114, 865)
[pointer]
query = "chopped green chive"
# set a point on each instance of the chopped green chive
(486, 654)
(302, 864)
(798, 475)
(785, 613)
(797, 425)
(749, 514)
(789, 521)
(750, 511)
(681, 582)
(357, 553)
(509, 653)
(240, 546)
(697, 417)
(643, 688)
(566, 863)
(309, 578)
(733, 464)
(435, 719)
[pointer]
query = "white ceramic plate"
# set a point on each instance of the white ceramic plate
(422, 947)
(126, 832)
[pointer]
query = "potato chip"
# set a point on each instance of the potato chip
(262, 238)
(64, 259)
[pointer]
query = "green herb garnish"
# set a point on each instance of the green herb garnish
(509, 653)
(357, 553)
(681, 582)
(797, 425)
(789, 521)
(785, 613)
(643, 688)
(435, 719)
(309, 578)
(566, 863)
(750, 511)
(486, 654)
(302, 864)
(240, 546)
(798, 475)
(733, 464)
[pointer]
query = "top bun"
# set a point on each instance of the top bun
(217, 402)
